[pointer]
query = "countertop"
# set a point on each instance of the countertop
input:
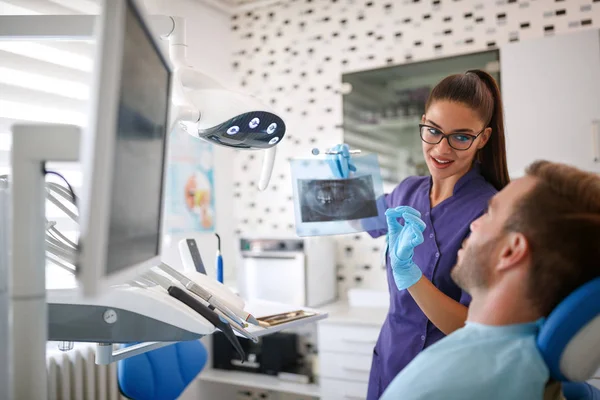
(341, 313)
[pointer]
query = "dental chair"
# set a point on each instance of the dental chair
(569, 341)
(161, 374)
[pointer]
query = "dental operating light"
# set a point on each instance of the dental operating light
(208, 110)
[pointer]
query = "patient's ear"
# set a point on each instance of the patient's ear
(514, 252)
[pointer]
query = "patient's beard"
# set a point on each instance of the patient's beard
(473, 271)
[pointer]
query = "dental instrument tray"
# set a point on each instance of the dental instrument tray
(282, 318)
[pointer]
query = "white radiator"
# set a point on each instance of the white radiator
(74, 375)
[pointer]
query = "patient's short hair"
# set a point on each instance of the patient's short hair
(560, 217)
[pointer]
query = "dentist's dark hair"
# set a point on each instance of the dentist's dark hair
(479, 91)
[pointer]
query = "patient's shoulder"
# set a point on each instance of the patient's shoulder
(467, 364)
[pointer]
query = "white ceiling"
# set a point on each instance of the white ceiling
(233, 6)
(233, 3)
(91, 6)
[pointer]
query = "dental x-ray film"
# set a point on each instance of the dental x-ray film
(326, 205)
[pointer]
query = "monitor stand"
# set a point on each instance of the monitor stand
(4, 223)
(33, 146)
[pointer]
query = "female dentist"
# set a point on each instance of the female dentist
(462, 134)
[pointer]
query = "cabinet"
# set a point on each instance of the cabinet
(346, 341)
(551, 93)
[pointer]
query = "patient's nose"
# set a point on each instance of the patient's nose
(475, 224)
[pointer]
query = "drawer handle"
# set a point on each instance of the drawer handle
(354, 369)
(349, 396)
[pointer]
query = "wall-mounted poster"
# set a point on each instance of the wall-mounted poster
(190, 195)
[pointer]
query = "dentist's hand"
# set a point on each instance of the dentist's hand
(402, 239)
(341, 163)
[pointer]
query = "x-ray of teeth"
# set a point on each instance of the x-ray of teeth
(325, 205)
(337, 199)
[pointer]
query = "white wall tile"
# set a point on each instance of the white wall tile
(309, 44)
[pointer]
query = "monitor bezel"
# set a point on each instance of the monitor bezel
(97, 149)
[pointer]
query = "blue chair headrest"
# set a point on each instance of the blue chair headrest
(161, 374)
(569, 339)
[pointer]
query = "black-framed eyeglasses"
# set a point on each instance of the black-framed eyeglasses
(458, 141)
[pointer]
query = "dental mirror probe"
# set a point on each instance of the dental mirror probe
(316, 152)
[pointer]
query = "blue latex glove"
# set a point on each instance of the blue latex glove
(402, 239)
(341, 163)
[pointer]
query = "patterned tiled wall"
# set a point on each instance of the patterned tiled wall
(293, 56)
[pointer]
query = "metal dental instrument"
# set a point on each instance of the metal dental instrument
(146, 283)
(210, 315)
(316, 152)
(245, 316)
(236, 311)
(202, 293)
(240, 330)
(213, 302)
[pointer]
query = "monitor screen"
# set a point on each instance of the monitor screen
(141, 134)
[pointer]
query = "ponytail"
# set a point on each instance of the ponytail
(493, 155)
(479, 91)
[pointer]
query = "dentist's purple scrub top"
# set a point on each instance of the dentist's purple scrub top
(406, 330)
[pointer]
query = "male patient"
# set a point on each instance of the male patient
(538, 242)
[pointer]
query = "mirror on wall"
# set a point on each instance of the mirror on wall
(383, 107)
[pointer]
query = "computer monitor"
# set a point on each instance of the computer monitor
(124, 150)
